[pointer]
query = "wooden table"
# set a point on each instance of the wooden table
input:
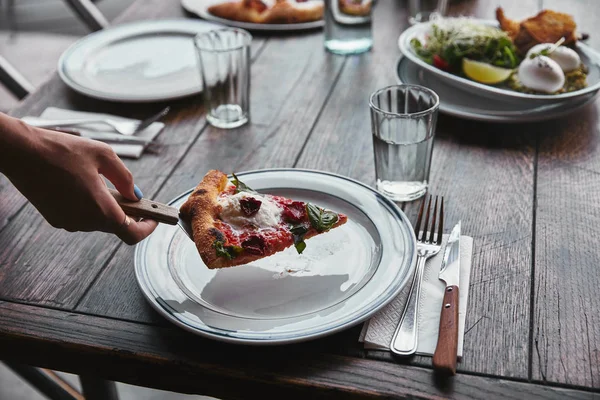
(529, 195)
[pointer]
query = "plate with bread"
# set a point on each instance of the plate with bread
(538, 59)
(260, 15)
(278, 256)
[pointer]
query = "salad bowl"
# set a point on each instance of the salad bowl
(589, 57)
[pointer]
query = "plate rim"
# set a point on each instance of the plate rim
(191, 6)
(524, 118)
(404, 45)
(297, 339)
(183, 25)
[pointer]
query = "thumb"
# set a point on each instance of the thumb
(115, 171)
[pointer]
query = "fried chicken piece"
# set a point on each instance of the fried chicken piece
(546, 27)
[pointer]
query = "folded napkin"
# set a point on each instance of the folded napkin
(123, 150)
(378, 331)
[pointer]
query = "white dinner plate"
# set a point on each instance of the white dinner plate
(464, 104)
(137, 62)
(200, 8)
(342, 278)
(589, 57)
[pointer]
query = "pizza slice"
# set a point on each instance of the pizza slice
(269, 11)
(234, 225)
(359, 8)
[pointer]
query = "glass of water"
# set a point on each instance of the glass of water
(224, 61)
(348, 26)
(403, 120)
(425, 10)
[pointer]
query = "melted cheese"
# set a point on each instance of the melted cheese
(268, 216)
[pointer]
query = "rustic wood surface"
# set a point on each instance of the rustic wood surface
(526, 193)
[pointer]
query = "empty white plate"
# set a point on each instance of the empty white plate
(342, 278)
(138, 62)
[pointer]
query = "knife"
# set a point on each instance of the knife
(444, 357)
(159, 212)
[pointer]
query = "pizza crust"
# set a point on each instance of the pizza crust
(202, 210)
(282, 12)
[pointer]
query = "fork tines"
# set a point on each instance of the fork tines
(428, 235)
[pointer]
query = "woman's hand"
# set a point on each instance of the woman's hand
(60, 174)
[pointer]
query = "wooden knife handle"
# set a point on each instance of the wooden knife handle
(147, 209)
(444, 358)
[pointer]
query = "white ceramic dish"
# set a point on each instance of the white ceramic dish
(138, 62)
(200, 8)
(590, 58)
(464, 104)
(341, 279)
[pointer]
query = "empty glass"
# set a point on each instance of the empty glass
(403, 120)
(224, 61)
(348, 26)
(425, 10)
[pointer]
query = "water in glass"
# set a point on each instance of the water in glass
(348, 26)
(224, 61)
(403, 122)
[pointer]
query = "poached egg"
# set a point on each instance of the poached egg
(542, 74)
(565, 57)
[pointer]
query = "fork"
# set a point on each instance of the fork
(123, 127)
(404, 341)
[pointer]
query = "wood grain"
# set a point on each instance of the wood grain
(172, 359)
(67, 263)
(485, 173)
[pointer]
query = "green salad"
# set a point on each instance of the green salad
(452, 40)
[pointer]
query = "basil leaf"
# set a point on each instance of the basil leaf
(229, 252)
(241, 186)
(298, 232)
(320, 219)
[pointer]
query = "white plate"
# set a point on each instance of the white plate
(467, 105)
(138, 62)
(589, 57)
(200, 8)
(341, 279)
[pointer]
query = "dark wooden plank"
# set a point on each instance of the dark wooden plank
(171, 359)
(290, 82)
(485, 173)
(566, 328)
(54, 267)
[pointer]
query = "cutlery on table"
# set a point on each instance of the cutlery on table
(122, 127)
(107, 137)
(146, 208)
(404, 341)
(444, 357)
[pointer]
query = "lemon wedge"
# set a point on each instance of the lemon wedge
(485, 73)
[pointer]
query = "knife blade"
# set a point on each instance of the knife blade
(444, 357)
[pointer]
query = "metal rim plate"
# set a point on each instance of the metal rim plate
(340, 280)
(123, 63)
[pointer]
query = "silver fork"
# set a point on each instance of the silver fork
(123, 127)
(404, 341)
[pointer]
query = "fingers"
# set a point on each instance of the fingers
(132, 232)
(115, 171)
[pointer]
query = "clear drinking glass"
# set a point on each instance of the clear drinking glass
(425, 10)
(348, 26)
(224, 61)
(403, 120)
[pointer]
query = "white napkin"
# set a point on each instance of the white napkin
(378, 331)
(123, 150)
